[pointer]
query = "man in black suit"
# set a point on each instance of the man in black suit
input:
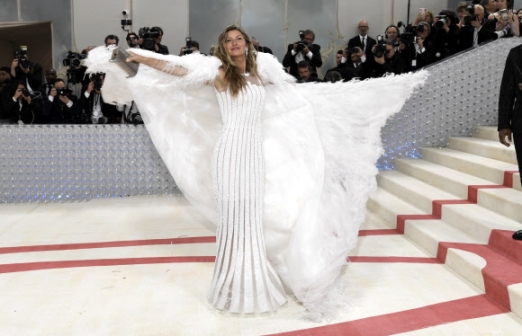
(510, 103)
(356, 61)
(303, 50)
(362, 40)
(97, 111)
(386, 62)
(510, 108)
(50, 76)
(60, 106)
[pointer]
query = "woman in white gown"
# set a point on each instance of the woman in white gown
(289, 167)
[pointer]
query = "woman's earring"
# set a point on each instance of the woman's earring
(247, 51)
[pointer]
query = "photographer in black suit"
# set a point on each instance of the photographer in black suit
(385, 60)
(98, 112)
(61, 106)
(26, 71)
(303, 50)
(19, 105)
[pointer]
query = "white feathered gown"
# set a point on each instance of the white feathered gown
(319, 145)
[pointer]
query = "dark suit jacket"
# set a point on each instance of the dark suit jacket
(362, 71)
(347, 73)
(485, 34)
(56, 112)
(356, 42)
(510, 100)
(315, 62)
(393, 65)
(34, 76)
(113, 115)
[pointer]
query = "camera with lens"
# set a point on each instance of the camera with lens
(97, 79)
(380, 47)
(63, 92)
(301, 44)
(471, 13)
(135, 118)
(25, 92)
(441, 22)
(148, 35)
(410, 32)
(73, 60)
(21, 56)
(188, 46)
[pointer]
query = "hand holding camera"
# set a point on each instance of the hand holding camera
(24, 93)
(90, 87)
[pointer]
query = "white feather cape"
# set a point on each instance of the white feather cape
(321, 142)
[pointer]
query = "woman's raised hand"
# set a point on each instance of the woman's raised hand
(134, 57)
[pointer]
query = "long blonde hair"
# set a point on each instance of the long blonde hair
(234, 79)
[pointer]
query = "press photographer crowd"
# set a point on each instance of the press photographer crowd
(31, 96)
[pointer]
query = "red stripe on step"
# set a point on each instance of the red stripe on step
(502, 241)
(437, 206)
(411, 320)
(508, 178)
(126, 243)
(401, 219)
(46, 265)
(381, 232)
(415, 260)
(499, 272)
(473, 191)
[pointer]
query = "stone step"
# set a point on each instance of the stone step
(388, 206)
(477, 221)
(497, 271)
(486, 148)
(412, 190)
(447, 179)
(486, 132)
(479, 166)
(505, 201)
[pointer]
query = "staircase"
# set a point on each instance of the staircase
(461, 204)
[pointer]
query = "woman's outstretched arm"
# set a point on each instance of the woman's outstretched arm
(158, 64)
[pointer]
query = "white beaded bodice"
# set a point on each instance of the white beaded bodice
(244, 281)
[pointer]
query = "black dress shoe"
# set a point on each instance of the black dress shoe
(517, 235)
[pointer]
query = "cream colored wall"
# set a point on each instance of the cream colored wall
(95, 19)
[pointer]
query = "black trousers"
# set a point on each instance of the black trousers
(517, 140)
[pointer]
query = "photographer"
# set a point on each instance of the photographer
(19, 108)
(255, 42)
(5, 90)
(354, 61)
(27, 72)
(490, 6)
(475, 30)
(385, 60)
(303, 50)
(98, 112)
(191, 47)
(346, 73)
(158, 36)
(418, 50)
(445, 35)
(61, 106)
(505, 22)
